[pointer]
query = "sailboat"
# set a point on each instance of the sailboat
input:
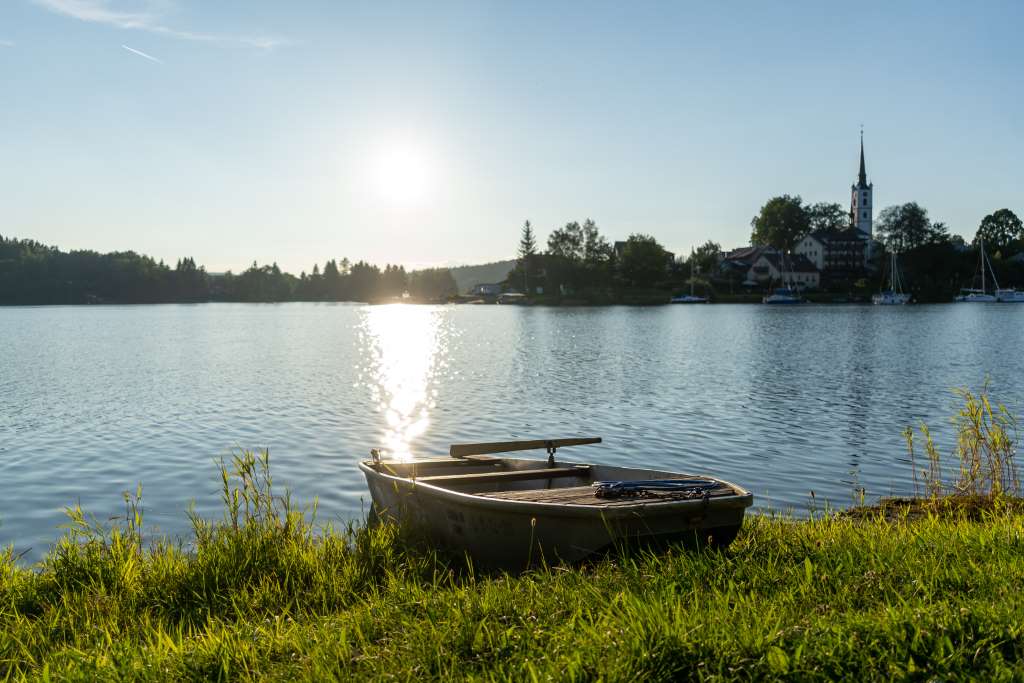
(784, 294)
(690, 298)
(894, 296)
(980, 296)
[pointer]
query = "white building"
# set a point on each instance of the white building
(797, 271)
(835, 250)
(485, 289)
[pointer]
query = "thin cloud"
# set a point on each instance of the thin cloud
(6, 43)
(100, 12)
(142, 54)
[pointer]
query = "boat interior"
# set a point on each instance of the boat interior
(547, 481)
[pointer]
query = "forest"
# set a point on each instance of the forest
(34, 273)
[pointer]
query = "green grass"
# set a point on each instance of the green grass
(259, 595)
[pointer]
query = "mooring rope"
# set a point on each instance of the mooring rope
(687, 487)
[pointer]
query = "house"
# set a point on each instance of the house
(835, 250)
(794, 270)
(485, 290)
(735, 265)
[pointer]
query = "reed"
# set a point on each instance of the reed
(984, 453)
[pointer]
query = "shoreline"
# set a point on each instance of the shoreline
(573, 303)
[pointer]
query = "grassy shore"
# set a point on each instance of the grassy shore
(260, 595)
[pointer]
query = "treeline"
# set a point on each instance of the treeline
(579, 261)
(34, 273)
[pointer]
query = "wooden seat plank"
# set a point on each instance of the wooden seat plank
(509, 475)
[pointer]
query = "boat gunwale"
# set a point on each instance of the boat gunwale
(741, 499)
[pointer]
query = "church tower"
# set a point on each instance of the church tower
(861, 206)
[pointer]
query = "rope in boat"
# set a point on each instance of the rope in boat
(688, 488)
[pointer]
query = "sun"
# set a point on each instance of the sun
(402, 174)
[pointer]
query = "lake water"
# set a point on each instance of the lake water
(785, 401)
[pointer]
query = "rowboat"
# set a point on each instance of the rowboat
(511, 513)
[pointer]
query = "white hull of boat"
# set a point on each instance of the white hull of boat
(515, 524)
(1010, 296)
(688, 299)
(890, 299)
(976, 299)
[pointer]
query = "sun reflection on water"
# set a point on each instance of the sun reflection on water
(403, 343)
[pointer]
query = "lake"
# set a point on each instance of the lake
(782, 400)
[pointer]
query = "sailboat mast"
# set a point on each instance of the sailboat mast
(691, 272)
(981, 244)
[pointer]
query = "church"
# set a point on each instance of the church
(844, 254)
(822, 258)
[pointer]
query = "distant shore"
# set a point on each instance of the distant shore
(639, 301)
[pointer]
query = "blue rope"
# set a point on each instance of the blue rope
(616, 489)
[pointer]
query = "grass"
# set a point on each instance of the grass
(915, 589)
(259, 595)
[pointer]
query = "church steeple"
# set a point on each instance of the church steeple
(861, 208)
(862, 179)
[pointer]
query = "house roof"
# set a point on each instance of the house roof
(747, 254)
(795, 263)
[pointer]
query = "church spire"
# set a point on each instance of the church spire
(862, 179)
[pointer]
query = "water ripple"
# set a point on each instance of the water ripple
(94, 400)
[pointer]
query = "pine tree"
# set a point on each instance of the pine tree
(527, 243)
(527, 252)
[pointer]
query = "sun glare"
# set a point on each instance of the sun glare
(404, 343)
(402, 174)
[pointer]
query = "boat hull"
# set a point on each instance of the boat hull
(515, 534)
(1009, 296)
(890, 299)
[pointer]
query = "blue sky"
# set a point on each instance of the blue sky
(426, 133)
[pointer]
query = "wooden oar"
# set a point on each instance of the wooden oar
(461, 450)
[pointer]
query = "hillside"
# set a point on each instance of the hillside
(467, 276)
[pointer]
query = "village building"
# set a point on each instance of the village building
(794, 270)
(837, 251)
(843, 254)
(486, 289)
(822, 257)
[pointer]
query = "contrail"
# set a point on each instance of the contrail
(142, 54)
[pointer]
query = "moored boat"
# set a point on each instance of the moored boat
(510, 513)
(981, 296)
(783, 295)
(894, 296)
(890, 298)
(1009, 296)
(975, 296)
(692, 297)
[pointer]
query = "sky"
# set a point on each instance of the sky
(426, 133)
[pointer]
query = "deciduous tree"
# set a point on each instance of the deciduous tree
(999, 229)
(907, 226)
(781, 223)
(644, 261)
(827, 216)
